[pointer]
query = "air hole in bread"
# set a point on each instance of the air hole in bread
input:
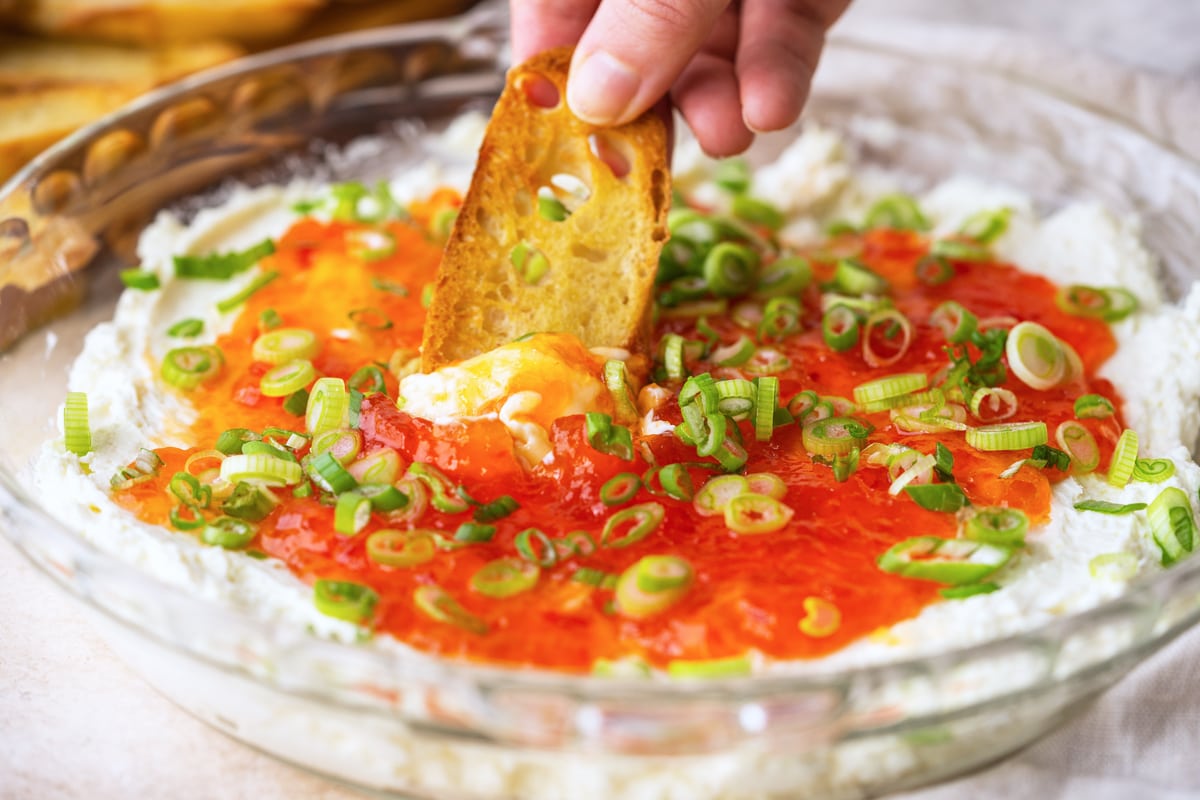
(539, 90)
(581, 250)
(611, 151)
(521, 203)
(658, 193)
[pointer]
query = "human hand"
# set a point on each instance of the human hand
(731, 68)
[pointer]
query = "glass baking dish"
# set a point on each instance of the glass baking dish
(424, 727)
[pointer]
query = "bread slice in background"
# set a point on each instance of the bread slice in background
(601, 259)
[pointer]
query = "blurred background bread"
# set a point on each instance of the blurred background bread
(64, 63)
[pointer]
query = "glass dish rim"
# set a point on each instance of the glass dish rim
(1155, 587)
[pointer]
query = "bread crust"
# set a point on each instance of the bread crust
(602, 258)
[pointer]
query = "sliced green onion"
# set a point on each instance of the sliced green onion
(676, 482)
(734, 355)
(952, 561)
(351, 514)
(784, 277)
(1108, 304)
(249, 501)
(287, 379)
(329, 474)
(505, 577)
(269, 320)
(1172, 524)
(607, 438)
(765, 402)
(997, 525)
(732, 175)
(186, 523)
(229, 533)
(620, 489)
(1153, 470)
(652, 585)
(803, 404)
(752, 514)
(436, 603)
(672, 349)
(840, 328)
(474, 533)
(498, 509)
(285, 344)
(767, 361)
(140, 279)
(1080, 445)
(835, 436)
(444, 497)
(427, 295)
(956, 323)
(737, 396)
(1093, 406)
(1124, 459)
(888, 321)
(1113, 566)
(188, 367)
(731, 455)
(186, 328)
(266, 448)
(1008, 436)
(616, 380)
(1036, 356)
(391, 287)
(986, 226)
(934, 270)
(552, 209)
(529, 541)
(187, 489)
(998, 403)
(947, 497)
(328, 404)
(342, 444)
(1105, 507)
(757, 212)
(251, 288)
(960, 250)
(296, 403)
(222, 266)
(766, 483)
(733, 667)
(394, 548)
(596, 578)
(889, 387)
(76, 427)
(529, 262)
(231, 441)
(715, 495)
(781, 317)
(898, 212)
(730, 269)
(967, 590)
(345, 600)
(641, 520)
(261, 469)
(367, 379)
(576, 543)
(383, 496)
(855, 278)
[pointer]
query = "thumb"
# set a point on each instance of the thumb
(631, 54)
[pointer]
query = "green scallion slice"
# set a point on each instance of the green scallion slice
(401, 549)
(1172, 524)
(250, 502)
(1036, 356)
(889, 387)
(328, 404)
(505, 577)
(345, 600)
(997, 525)
(186, 328)
(283, 345)
(934, 270)
(730, 269)
(328, 473)
(1008, 436)
(1105, 507)
(1078, 443)
(751, 514)
(529, 262)
(715, 495)
(955, 322)
(188, 367)
(1093, 406)
(474, 533)
(76, 427)
(262, 469)
(967, 590)
(352, 513)
(616, 380)
(757, 212)
(251, 288)
(222, 266)
(620, 489)
(536, 547)
(946, 497)
(630, 525)
(286, 379)
(652, 585)
(986, 227)
(733, 667)
(1124, 459)
(766, 400)
(1108, 304)
(898, 212)
(784, 277)
(856, 278)
(835, 436)
(140, 279)
(228, 533)
(1153, 470)
(436, 603)
(383, 496)
(951, 561)
(607, 438)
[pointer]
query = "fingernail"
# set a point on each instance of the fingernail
(602, 88)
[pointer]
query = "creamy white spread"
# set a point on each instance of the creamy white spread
(1156, 368)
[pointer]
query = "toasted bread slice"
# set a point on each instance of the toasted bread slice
(509, 270)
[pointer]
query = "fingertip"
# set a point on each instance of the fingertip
(773, 106)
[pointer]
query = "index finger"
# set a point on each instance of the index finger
(538, 25)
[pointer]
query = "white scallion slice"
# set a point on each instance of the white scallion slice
(1036, 356)
(1124, 459)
